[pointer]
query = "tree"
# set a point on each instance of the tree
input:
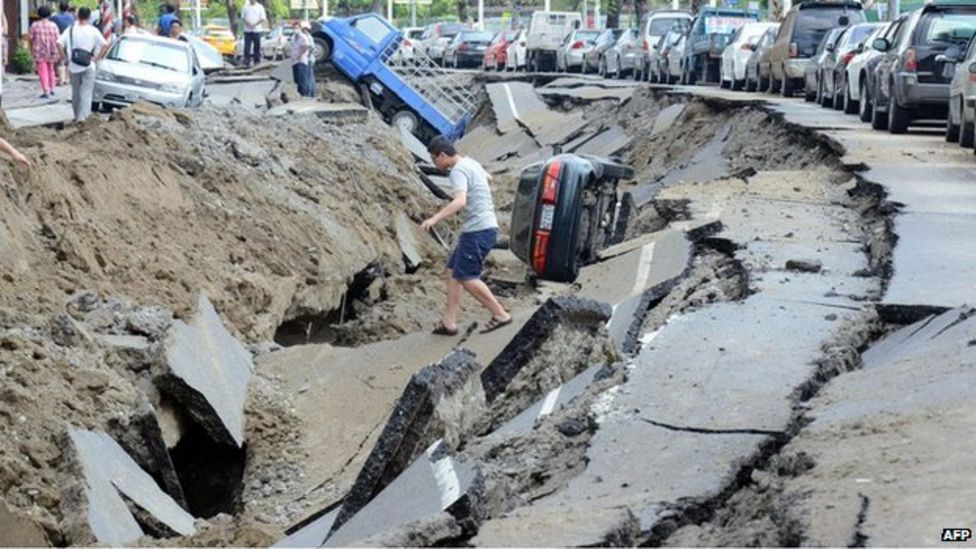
(640, 8)
(232, 15)
(462, 10)
(613, 14)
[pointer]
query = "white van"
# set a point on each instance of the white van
(547, 30)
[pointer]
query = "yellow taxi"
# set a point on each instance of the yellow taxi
(219, 37)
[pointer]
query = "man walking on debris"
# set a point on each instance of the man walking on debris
(479, 231)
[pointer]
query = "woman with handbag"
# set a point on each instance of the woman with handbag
(84, 46)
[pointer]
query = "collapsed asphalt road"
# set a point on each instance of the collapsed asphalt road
(695, 386)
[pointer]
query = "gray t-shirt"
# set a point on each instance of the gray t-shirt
(479, 212)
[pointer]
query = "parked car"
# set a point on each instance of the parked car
(664, 52)
(515, 53)
(652, 29)
(707, 38)
(496, 56)
(914, 73)
(574, 47)
(218, 37)
(961, 124)
(564, 213)
(812, 84)
(407, 49)
(437, 37)
(593, 59)
(207, 55)
(425, 104)
(834, 70)
(546, 32)
(676, 59)
(857, 67)
(467, 49)
(149, 68)
(757, 72)
(618, 61)
(801, 33)
(869, 79)
(737, 52)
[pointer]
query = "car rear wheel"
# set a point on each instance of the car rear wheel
(789, 86)
(967, 134)
(952, 131)
(850, 106)
(898, 116)
(838, 97)
(864, 106)
(879, 120)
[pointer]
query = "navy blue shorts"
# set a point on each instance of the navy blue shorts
(468, 258)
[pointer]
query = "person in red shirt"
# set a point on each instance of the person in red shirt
(44, 43)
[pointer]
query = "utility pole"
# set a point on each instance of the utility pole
(547, 5)
(413, 13)
(894, 7)
(481, 14)
(586, 22)
(389, 11)
(196, 13)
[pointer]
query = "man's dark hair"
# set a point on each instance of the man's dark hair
(170, 8)
(441, 144)
(84, 14)
(63, 6)
(44, 12)
(131, 19)
(176, 22)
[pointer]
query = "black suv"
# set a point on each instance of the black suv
(912, 79)
(565, 211)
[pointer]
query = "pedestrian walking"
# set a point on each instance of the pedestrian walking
(19, 159)
(44, 45)
(299, 48)
(84, 46)
(166, 19)
(254, 18)
(479, 231)
(63, 19)
(307, 31)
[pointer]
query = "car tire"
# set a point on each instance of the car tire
(406, 120)
(864, 105)
(822, 98)
(967, 134)
(789, 86)
(774, 85)
(322, 50)
(898, 117)
(762, 84)
(850, 106)
(602, 71)
(879, 120)
(838, 97)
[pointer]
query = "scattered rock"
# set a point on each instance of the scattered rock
(804, 265)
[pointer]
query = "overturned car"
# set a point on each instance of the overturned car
(565, 211)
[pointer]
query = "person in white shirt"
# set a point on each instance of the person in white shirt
(84, 46)
(300, 45)
(254, 18)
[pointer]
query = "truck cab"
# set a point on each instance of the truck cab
(709, 34)
(413, 94)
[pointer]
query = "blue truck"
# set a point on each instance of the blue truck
(707, 37)
(414, 95)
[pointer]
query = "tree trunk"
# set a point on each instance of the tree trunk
(613, 14)
(379, 7)
(232, 15)
(640, 8)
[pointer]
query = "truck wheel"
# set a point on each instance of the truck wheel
(405, 120)
(322, 50)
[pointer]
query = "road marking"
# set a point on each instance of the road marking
(643, 268)
(511, 102)
(550, 402)
(445, 476)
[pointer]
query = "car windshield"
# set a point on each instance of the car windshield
(155, 54)
(415, 33)
(662, 25)
(947, 27)
(475, 36)
(450, 30)
(812, 24)
(859, 34)
(588, 36)
(373, 28)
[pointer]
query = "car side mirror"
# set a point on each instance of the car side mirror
(972, 68)
(843, 21)
(576, 24)
(830, 47)
(943, 58)
(860, 48)
(881, 44)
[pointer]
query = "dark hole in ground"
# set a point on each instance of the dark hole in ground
(211, 473)
(322, 327)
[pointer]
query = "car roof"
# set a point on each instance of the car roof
(821, 4)
(156, 40)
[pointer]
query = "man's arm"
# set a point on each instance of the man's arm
(453, 207)
(19, 158)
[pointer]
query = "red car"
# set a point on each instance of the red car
(498, 49)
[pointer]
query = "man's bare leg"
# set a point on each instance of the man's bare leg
(453, 302)
(480, 291)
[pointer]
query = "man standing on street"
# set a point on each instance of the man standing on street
(479, 231)
(83, 46)
(166, 19)
(300, 47)
(254, 17)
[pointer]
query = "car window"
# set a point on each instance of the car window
(588, 36)
(662, 25)
(373, 28)
(859, 34)
(476, 36)
(812, 24)
(450, 30)
(152, 53)
(949, 27)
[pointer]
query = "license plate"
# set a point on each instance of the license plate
(545, 220)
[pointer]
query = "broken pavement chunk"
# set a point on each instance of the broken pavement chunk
(666, 118)
(442, 401)
(407, 240)
(434, 483)
(804, 265)
(109, 473)
(208, 371)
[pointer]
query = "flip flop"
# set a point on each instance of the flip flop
(443, 330)
(495, 324)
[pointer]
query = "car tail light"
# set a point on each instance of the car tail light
(408, 43)
(794, 50)
(577, 44)
(746, 46)
(911, 62)
(463, 46)
(550, 183)
(846, 58)
(645, 46)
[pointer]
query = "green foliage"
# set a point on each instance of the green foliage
(22, 61)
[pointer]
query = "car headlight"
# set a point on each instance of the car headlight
(171, 88)
(105, 76)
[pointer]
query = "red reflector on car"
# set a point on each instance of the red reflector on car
(539, 251)
(846, 59)
(911, 62)
(578, 44)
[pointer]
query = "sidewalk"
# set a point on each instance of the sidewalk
(23, 90)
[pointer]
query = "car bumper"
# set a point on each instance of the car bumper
(435, 53)
(796, 68)
(913, 93)
(121, 95)
(471, 57)
(574, 58)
